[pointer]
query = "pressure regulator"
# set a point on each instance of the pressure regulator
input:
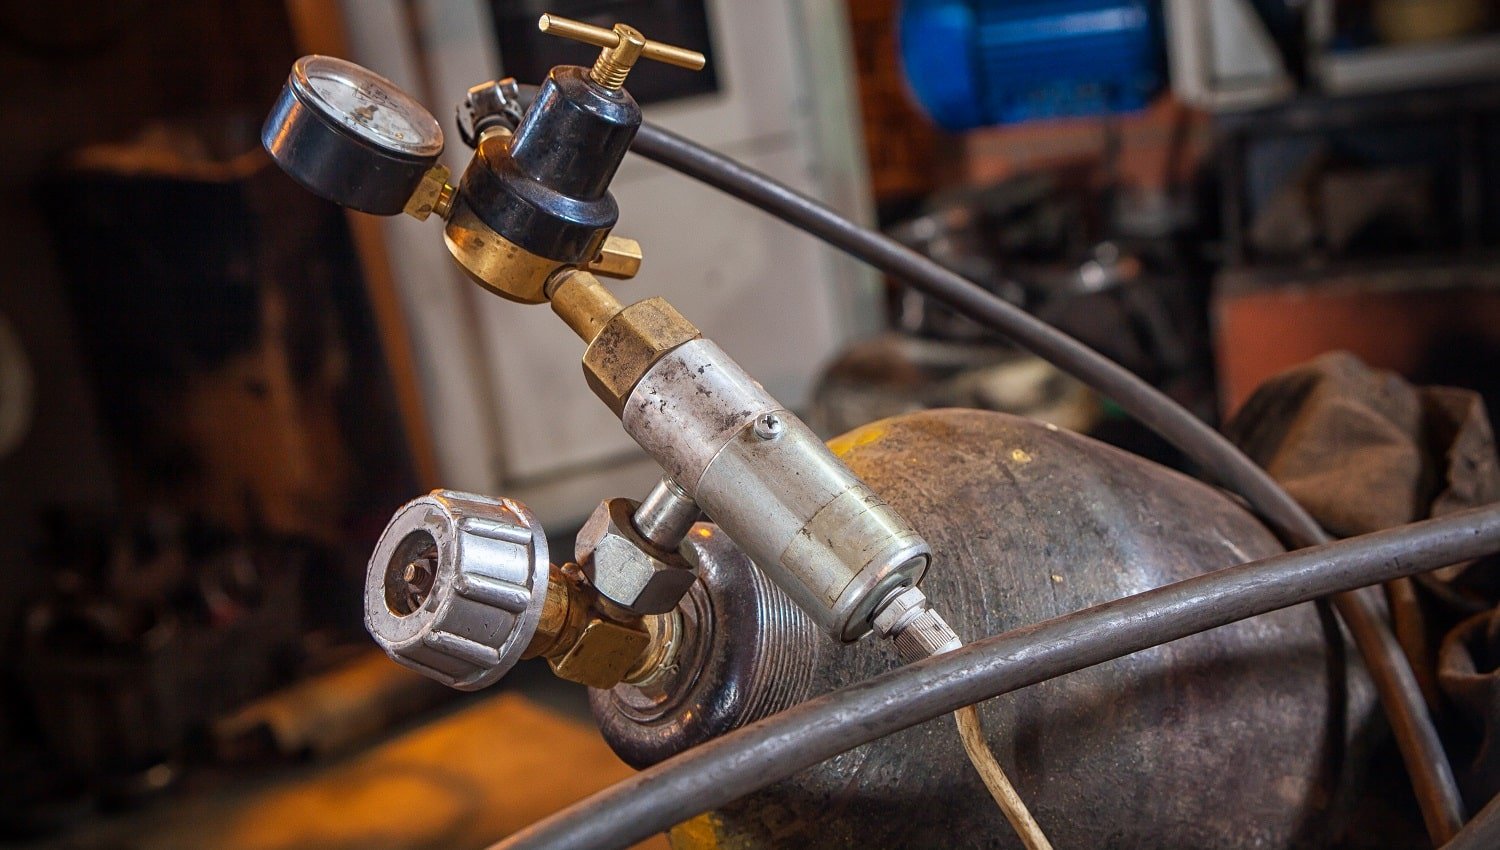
(460, 586)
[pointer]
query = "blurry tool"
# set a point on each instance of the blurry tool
(325, 713)
(147, 635)
(1411, 21)
(1031, 240)
(1417, 44)
(1223, 56)
(16, 391)
(897, 373)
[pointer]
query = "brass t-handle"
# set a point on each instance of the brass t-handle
(623, 46)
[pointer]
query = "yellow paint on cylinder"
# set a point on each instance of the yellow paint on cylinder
(700, 833)
(861, 436)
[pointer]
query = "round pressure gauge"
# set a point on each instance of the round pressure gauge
(349, 135)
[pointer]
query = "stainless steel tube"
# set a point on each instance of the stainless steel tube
(763, 476)
(666, 514)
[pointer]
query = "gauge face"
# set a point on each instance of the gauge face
(367, 105)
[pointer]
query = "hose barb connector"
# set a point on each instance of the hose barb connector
(907, 619)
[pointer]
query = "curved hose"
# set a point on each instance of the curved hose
(750, 758)
(1431, 776)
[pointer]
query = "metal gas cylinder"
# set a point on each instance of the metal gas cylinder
(1239, 737)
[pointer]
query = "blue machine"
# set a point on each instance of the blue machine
(974, 63)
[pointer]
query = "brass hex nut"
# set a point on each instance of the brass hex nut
(425, 200)
(624, 567)
(605, 651)
(629, 345)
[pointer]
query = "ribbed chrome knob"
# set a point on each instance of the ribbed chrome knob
(456, 585)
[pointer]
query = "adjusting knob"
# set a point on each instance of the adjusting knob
(456, 586)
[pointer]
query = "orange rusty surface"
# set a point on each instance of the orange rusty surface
(1262, 332)
(1160, 147)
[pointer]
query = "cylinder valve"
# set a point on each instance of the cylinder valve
(456, 587)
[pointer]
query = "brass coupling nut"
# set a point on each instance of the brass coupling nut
(624, 342)
(433, 195)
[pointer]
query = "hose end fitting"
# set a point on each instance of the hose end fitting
(907, 619)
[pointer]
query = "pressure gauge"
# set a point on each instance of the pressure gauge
(349, 135)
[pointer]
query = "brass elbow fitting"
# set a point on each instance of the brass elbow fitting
(589, 641)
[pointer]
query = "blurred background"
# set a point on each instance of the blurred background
(215, 388)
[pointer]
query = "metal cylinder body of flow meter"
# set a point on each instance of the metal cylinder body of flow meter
(836, 548)
(765, 478)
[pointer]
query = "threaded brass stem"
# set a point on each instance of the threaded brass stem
(609, 73)
(562, 616)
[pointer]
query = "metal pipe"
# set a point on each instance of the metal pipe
(582, 302)
(666, 515)
(1431, 776)
(757, 755)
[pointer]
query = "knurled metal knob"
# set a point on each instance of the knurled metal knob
(456, 586)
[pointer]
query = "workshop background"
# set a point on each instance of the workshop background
(215, 388)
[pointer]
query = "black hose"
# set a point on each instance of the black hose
(750, 758)
(1431, 776)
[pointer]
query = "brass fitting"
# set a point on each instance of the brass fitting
(582, 302)
(604, 652)
(620, 258)
(660, 658)
(624, 342)
(492, 261)
(589, 641)
(623, 47)
(433, 195)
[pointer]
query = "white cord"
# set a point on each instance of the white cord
(978, 749)
(907, 619)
